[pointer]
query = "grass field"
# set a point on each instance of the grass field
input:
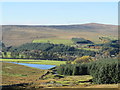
(54, 41)
(46, 62)
(89, 49)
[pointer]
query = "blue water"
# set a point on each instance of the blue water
(39, 66)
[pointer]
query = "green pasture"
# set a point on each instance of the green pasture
(54, 41)
(46, 62)
(90, 49)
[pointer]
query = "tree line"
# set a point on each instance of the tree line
(104, 71)
(58, 51)
(46, 51)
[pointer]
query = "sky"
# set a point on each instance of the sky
(57, 13)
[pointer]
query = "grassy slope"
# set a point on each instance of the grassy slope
(54, 41)
(14, 74)
(46, 62)
(17, 35)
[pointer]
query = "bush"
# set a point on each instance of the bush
(82, 59)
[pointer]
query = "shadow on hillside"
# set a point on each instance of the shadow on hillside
(14, 86)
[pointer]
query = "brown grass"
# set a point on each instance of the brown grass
(15, 74)
(17, 35)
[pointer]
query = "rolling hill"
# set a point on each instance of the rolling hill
(19, 34)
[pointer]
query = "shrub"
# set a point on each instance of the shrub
(82, 59)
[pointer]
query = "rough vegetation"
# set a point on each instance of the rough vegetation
(22, 77)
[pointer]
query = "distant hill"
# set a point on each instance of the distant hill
(83, 27)
(19, 34)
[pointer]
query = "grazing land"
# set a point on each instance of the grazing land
(54, 41)
(46, 62)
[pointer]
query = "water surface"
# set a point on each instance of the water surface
(39, 66)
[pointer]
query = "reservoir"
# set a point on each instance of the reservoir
(39, 66)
